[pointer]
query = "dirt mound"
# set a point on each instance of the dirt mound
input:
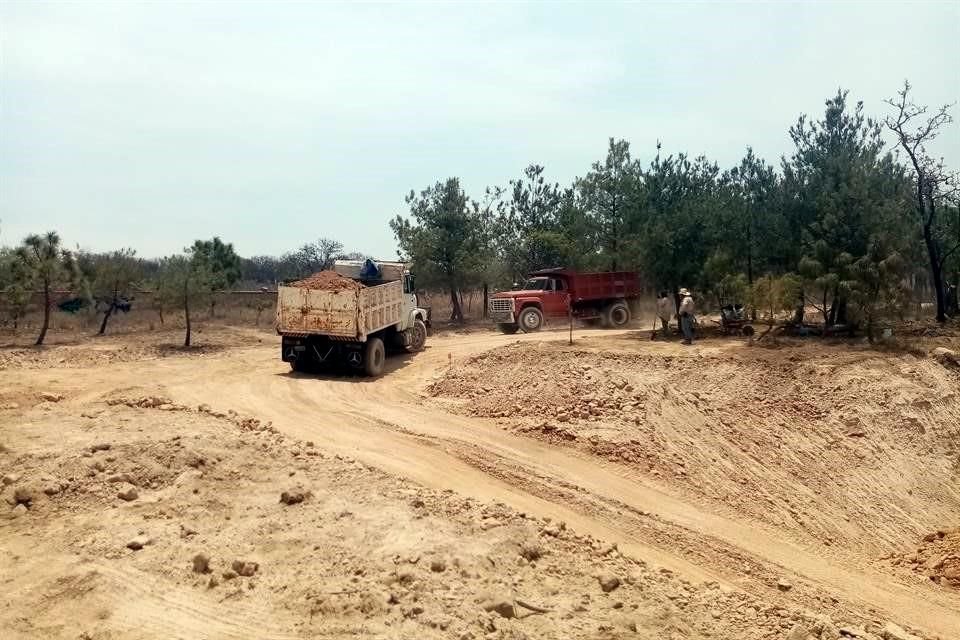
(819, 446)
(328, 281)
(937, 558)
(518, 382)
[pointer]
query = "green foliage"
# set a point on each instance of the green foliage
(608, 196)
(876, 284)
(217, 262)
(748, 221)
(191, 278)
(773, 295)
(721, 279)
(446, 238)
(45, 263)
(845, 193)
(16, 286)
(112, 279)
(526, 232)
(672, 233)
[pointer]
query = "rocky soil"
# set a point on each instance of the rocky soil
(153, 498)
(838, 447)
(142, 513)
(937, 558)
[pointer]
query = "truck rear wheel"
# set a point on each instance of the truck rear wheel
(618, 315)
(374, 356)
(508, 328)
(531, 319)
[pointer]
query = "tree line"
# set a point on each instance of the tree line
(109, 281)
(845, 224)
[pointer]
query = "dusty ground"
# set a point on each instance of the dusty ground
(731, 492)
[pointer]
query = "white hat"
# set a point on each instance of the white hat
(684, 291)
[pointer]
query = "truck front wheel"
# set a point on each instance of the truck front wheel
(418, 336)
(531, 319)
(374, 356)
(618, 315)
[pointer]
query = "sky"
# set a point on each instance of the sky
(149, 125)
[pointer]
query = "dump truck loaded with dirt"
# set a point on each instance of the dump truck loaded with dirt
(604, 298)
(350, 316)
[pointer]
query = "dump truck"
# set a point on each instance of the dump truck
(350, 316)
(603, 298)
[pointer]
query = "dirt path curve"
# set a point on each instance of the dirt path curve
(385, 423)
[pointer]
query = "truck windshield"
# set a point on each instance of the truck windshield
(537, 284)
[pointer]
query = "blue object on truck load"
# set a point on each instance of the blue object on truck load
(370, 270)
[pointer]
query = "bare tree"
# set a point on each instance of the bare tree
(934, 184)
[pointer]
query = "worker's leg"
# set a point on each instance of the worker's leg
(666, 327)
(686, 326)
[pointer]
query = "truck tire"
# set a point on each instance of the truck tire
(508, 328)
(418, 336)
(617, 315)
(300, 365)
(374, 357)
(531, 319)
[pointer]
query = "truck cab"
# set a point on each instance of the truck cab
(539, 297)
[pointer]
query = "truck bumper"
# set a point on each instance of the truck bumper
(502, 317)
(321, 350)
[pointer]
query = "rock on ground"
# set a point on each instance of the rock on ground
(501, 606)
(946, 356)
(138, 542)
(201, 563)
(608, 582)
(293, 496)
(892, 631)
(245, 568)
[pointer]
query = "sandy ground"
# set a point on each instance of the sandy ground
(619, 487)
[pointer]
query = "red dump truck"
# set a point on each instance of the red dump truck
(604, 298)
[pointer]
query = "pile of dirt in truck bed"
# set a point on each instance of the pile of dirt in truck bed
(838, 447)
(937, 558)
(328, 281)
(131, 516)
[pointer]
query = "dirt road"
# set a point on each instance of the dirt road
(832, 562)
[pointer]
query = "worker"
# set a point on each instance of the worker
(665, 306)
(686, 314)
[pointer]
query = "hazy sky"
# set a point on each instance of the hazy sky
(149, 125)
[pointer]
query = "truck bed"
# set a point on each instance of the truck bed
(345, 314)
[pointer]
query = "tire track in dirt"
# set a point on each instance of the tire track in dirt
(357, 418)
(383, 423)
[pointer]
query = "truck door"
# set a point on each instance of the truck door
(555, 298)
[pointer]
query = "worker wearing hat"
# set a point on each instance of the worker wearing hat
(686, 314)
